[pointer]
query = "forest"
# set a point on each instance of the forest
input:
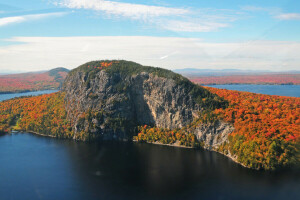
(32, 81)
(44, 114)
(267, 128)
(271, 79)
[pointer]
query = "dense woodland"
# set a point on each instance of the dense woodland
(267, 128)
(43, 114)
(272, 79)
(32, 81)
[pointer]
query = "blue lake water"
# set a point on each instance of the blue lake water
(35, 167)
(35, 93)
(281, 90)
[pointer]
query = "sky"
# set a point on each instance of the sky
(217, 34)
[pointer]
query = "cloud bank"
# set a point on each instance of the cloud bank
(37, 53)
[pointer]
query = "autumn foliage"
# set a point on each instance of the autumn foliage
(267, 128)
(30, 81)
(166, 136)
(103, 65)
(44, 114)
(248, 79)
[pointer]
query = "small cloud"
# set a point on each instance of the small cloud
(269, 10)
(185, 26)
(166, 56)
(288, 16)
(18, 19)
(9, 20)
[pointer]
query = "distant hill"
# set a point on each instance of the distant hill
(193, 72)
(32, 81)
(234, 76)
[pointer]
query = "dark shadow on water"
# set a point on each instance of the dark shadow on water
(47, 168)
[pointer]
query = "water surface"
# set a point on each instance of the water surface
(36, 167)
(281, 90)
(35, 93)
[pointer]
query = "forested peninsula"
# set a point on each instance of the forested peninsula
(122, 100)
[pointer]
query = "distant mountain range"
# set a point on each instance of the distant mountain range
(193, 72)
(235, 76)
(32, 81)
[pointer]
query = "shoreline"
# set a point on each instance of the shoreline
(176, 144)
(232, 158)
(32, 132)
(207, 149)
(170, 145)
(40, 134)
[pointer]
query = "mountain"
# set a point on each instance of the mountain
(109, 99)
(122, 100)
(33, 81)
(234, 76)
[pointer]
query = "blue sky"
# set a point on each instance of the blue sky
(218, 34)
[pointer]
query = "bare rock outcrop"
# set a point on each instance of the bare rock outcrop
(111, 101)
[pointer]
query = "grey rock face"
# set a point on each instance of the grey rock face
(139, 99)
(213, 134)
(112, 105)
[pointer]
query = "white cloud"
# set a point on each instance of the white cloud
(135, 11)
(18, 19)
(9, 20)
(270, 10)
(168, 18)
(183, 26)
(38, 53)
(274, 12)
(288, 16)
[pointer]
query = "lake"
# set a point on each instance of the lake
(34, 93)
(281, 90)
(37, 167)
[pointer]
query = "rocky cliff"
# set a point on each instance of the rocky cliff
(109, 99)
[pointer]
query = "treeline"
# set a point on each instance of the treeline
(44, 114)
